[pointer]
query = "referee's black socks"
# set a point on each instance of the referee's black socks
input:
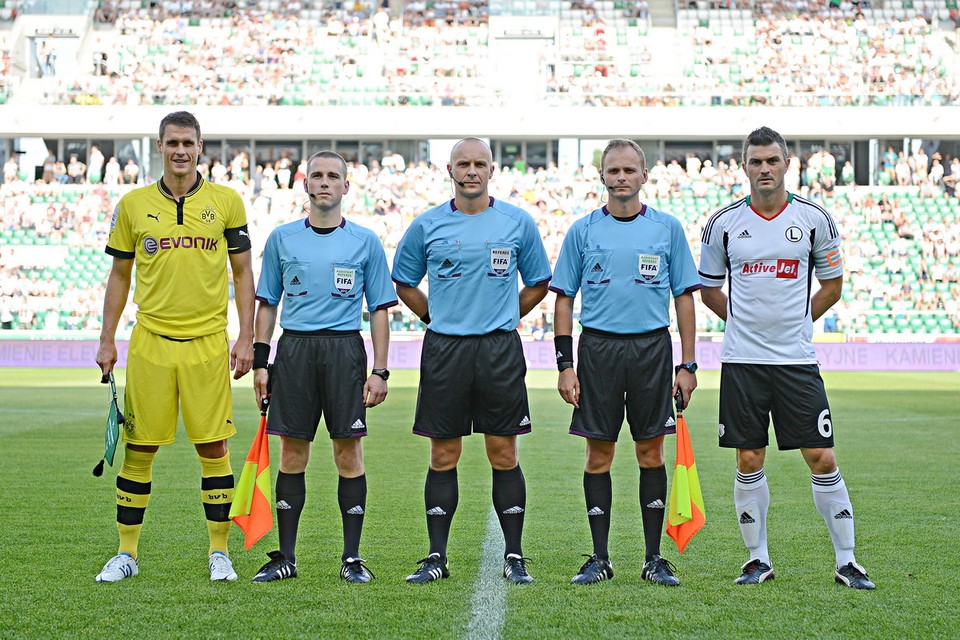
(352, 497)
(510, 501)
(653, 507)
(441, 494)
(598, 491)
(291, 495)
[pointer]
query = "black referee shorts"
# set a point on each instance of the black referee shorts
(632, 372)
(472, 384)
(318, 374)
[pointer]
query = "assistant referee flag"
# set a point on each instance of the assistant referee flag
(251, 509)
(687, 514)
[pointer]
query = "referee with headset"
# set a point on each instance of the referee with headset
(472, 366)
(627, 260)
(322, 268)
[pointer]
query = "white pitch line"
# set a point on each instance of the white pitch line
(488, 606)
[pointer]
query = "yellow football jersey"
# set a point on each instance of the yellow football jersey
(180, 251)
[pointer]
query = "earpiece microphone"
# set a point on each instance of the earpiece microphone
(459, 182)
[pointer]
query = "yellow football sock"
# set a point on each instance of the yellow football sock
(217, 496)
(133, 494)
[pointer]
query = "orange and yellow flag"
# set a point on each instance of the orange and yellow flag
(252, 510)
(687, 514)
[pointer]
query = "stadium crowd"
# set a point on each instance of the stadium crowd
(902, 243)
(439, 54)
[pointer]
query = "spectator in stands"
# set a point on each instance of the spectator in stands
(11, 170)
(49, 164)
(131, 172)
(60, 175)
(94, 165)
(112, 174)
(76, 170)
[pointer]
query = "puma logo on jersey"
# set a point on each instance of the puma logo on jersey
(155, 216)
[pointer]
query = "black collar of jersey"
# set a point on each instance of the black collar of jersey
(166, 191)
(453, 203)
(642, 212)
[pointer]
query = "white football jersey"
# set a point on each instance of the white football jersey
(770, 265)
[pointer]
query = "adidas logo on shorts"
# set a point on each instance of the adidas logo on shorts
(358, 425)
(525, 422)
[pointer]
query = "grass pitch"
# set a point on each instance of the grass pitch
(898, 442)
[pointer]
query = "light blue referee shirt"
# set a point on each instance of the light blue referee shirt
(627, 271)
(323, 278)
(471, 263)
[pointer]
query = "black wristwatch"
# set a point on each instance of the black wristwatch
(563, 366)
(383, 373)
(689, 366)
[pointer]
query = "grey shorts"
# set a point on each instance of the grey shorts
(318, 374)
(472, 384)
(793, 395)
(624, 372)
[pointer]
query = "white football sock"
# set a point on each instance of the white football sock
(833, 502)
(751, 495)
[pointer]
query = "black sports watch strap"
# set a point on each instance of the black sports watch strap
(689, 366)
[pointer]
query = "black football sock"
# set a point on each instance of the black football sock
(653, 507)
(352, 497)
(291, 495)
(441, 494)
(598, 491)
(510, 502)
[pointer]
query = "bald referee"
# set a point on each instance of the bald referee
(180, 232)
(627, 261)
(472, 368)
(322, 267)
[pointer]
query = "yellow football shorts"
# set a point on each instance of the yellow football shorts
(164, 375)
